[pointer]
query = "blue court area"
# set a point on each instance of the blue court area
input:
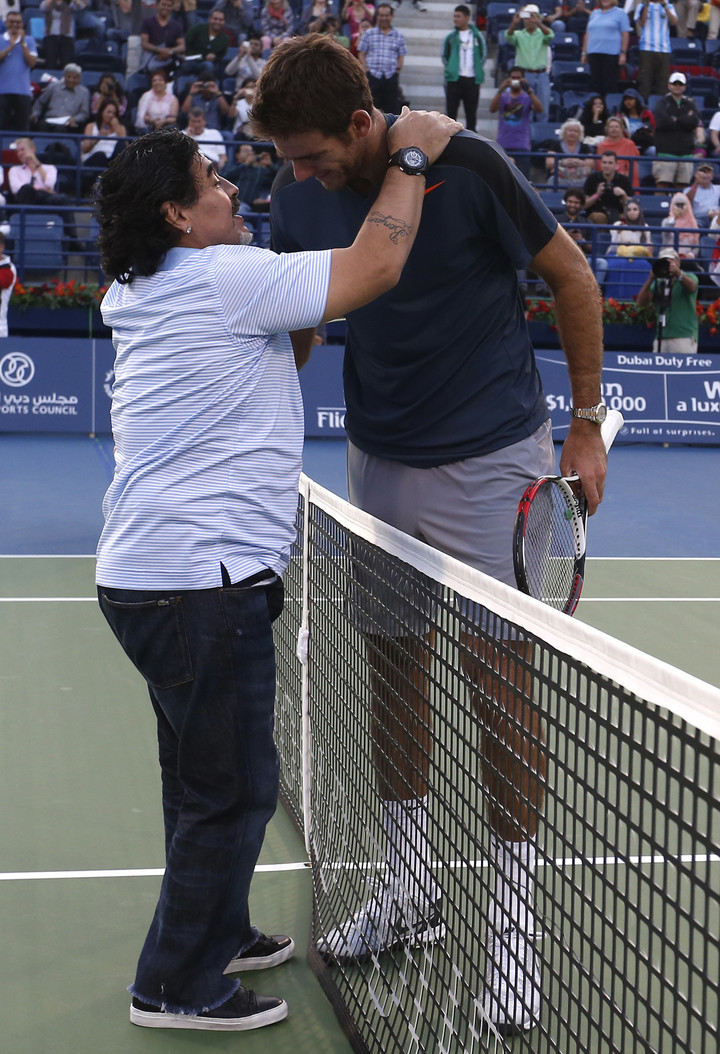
(660, 501)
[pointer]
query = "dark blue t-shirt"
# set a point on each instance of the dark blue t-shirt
(441, 367)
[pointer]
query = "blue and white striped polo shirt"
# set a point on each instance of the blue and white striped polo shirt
(656, 34)
(207, 416)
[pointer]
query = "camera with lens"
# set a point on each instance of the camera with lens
(661, 268)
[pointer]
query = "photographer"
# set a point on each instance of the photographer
(514, 101)
(206, 96)
(532, 49)
(674, 292)
(240, 109)
(606, 191)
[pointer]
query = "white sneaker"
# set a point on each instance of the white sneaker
(388, 918)
(512, 982)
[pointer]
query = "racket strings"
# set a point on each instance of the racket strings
(552, 545)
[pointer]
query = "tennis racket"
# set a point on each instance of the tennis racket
(549, 540)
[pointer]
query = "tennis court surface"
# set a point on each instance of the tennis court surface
(628, 874)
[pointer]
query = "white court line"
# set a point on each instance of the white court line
(628, 559)
(583, 601)
(47, 556)
(48, 600)
(370, 865)
(649, 600)
(139, 872)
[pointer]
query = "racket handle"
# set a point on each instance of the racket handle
(610, 427)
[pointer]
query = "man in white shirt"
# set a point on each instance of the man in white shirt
(32, 182)
(200, 520)
(211, 141)
(463, 56)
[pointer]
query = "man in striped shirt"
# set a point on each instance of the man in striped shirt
(199, 520)
(653, 21)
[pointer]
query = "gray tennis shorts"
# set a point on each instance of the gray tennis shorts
(466, 508)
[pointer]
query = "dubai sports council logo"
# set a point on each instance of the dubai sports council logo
(16, 369)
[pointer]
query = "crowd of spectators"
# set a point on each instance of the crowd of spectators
(640, 125)
(626, 142)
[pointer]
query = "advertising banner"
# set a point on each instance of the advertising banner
(64, 384)
(663, 398)
(46, 385)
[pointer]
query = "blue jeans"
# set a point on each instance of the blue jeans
(540, 84)
(209, 661)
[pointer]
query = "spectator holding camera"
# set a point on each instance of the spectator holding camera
(680, 228)
(652, 24)
(606, 191)
(248, 62)
(205, 95)
(514, 102)
(240, 109)
(532, 50)
(674, 292)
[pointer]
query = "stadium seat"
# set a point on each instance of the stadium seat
(29, 12)
(554, 199)
(572, 101)
(655, 208)
(566, 47)
(39, 244)
(499, 17)
(613, 100)
(687, 52)
(542, 131)
(704, 88)
(570, 76)
(625, 277)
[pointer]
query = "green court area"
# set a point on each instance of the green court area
(81, 825)
(82, 841)
(667, 608)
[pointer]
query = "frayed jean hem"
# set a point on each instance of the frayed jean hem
(169, 1008)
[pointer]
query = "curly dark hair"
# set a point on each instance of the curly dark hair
(134, 235)
(309, 84)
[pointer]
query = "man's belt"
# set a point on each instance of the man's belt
(543, 70)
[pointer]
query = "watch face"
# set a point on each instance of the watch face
(413, 158)
(600, 413)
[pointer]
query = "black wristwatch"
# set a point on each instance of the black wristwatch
(411, 160)
(596, 414)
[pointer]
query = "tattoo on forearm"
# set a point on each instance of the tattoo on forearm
(398, 228)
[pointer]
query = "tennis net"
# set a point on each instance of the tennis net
(431, 932)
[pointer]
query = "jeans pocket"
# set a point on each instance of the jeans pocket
(152, 634)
